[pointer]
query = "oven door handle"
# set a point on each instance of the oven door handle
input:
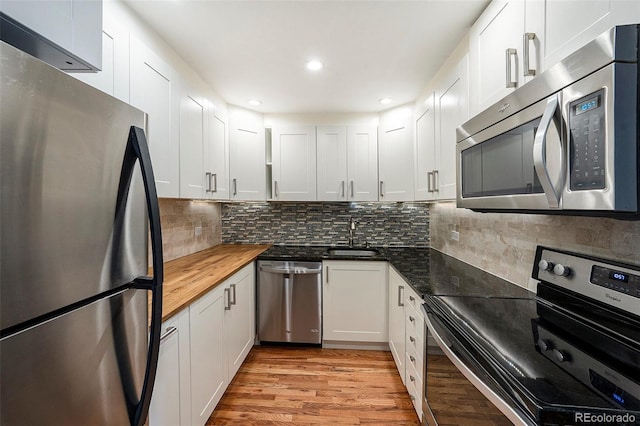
(492, 396)
(540, 154)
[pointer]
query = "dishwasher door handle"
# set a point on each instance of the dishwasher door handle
(295, 271)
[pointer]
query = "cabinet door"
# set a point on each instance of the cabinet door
(500, 27)
(397, 320)
(425, 152)
(192, 174)
(557, 36)
(396, 155)
(362, 163)
(294, 163)
(152, 91)
(354, 306)
(170, 403)
(239, 320)
(216, 157)
(452, 110)
(74, 27)
(208, 367)
(332, 163)
(247, 169)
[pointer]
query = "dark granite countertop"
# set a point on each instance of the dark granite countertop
(428, 271)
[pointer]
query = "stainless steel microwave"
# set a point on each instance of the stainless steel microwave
(565, 142)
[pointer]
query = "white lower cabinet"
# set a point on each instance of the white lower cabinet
(355, 298)
(170, 401)
(203, 348)
(397, 287)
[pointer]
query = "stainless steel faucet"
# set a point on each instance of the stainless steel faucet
(352, 229)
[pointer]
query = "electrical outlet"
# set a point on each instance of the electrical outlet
(455, 235)
(198, 231)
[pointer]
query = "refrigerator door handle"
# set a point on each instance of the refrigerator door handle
(138, 150)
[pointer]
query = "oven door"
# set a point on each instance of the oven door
(515, 164)
(471, 366)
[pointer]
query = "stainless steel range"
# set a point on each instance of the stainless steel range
(571, 355)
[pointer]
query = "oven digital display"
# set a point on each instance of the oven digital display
(613, 391)
(588, 105)
(618, 276)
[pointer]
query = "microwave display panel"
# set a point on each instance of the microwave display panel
(587, 143)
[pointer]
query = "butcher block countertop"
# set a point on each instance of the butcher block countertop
(190, 277)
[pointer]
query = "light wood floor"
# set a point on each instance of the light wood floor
(313, 386)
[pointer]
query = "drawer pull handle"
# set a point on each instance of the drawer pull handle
(170, 331)
(412, 358)
(413, 379)
(412, 319)
(413, 339)
(413, 299)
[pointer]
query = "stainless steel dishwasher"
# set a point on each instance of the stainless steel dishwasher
(290, 302)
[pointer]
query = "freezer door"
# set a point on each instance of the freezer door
(61, 157)
(84, 368)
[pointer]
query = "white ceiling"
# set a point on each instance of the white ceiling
(257, 49)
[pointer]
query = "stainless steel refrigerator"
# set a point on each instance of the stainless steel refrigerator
(77, 344)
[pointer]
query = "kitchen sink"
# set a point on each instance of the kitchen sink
(352, 252)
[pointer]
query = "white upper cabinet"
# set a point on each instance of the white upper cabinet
(452, 109)
(332, 163)
(247, 155)
(425, 158)
(216, 155)
(294, 163)
(557, 36)
(395, 146)
(347, 163)
(153, 91)
(192, 174)
(495, 43)
(65, 33)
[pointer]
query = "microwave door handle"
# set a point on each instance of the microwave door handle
(540, 153)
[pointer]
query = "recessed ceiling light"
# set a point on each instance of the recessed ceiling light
(314, 65)
(385, 101)
(255, 102)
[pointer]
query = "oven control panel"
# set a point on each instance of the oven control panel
(587, 142)
(607, 281)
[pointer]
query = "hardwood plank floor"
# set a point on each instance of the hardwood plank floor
(315, 386)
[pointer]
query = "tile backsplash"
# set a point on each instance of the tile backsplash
(179, 219)
(504, 244)
(380, 224)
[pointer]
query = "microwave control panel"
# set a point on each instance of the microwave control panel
(587, 142)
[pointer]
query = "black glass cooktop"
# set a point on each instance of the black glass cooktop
(550, 374)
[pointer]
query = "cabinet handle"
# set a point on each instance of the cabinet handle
(413, 398)
(413, 379)
(235, 186)
(352, 190)
(412, 339)
(381, 192)
(327, 275)
(215, 182)
(275, 185)
(208, 177)
(429, 176)
(412, 319)
(170, 332)
(412, 358)
(400, 291)
(413, 299)
(233, 292)
(227, 299)
(436, 183)
(526, 39)
(342, 189)
(508, 54)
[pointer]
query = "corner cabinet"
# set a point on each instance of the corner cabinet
(247, 167)
(294, 163)
(395, 147)
(154, 90)
(354, 305)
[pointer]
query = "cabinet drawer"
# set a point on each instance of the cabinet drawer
(412, 299)
(414, 387)
(414, 331)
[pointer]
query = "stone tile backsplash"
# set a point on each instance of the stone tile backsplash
(179, 219)
(380, 224)
(504, 244)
